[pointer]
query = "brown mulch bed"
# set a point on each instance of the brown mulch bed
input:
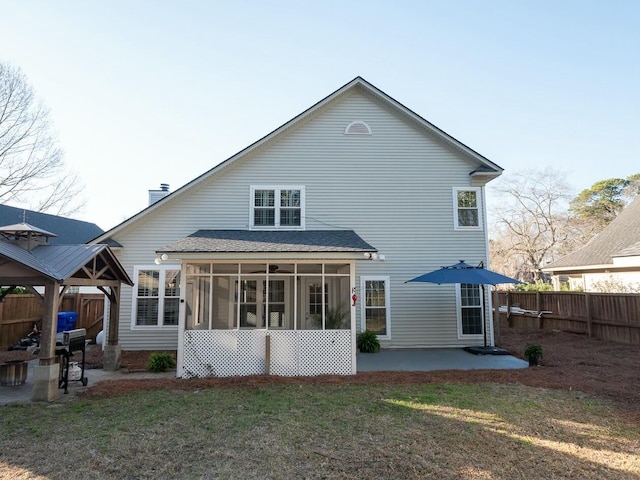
(571, 362)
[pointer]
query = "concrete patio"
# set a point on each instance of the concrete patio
(434, 359)
(385, 360)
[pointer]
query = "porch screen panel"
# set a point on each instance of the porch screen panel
(223, 314)
(338, 314)
(276, 305)
(315, 297)
(247, 300)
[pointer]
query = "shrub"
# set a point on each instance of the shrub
(368, 342)
(532, 350)
(161, 362)
(539, 286)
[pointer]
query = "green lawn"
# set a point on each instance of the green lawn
(323, 431)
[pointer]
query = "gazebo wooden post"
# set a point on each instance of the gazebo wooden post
(46, 373)
(112, 350)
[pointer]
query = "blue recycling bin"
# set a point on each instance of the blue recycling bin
(66, 321)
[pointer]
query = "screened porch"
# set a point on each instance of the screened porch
(280, 318)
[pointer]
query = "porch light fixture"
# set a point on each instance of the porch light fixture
(160, 258)
(371, 256)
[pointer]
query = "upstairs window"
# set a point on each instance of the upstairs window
(277, 207)
(467, 211)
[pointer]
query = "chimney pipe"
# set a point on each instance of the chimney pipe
(155, 195)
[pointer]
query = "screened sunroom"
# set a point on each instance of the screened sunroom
(291, 313)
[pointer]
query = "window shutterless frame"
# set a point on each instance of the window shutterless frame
(279, 207)
(469, 306)
(467, 208)
(155, 297)
(375, 305)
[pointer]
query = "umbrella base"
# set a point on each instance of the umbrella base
(479, 350)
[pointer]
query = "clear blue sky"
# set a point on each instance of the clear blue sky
(146, 92)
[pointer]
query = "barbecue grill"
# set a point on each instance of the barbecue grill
(72, 341)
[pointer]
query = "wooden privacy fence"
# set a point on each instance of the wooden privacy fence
(18, 313)
(608, 316)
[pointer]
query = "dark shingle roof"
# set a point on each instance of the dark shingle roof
(620, 238)
(221, 241)
(68, 230)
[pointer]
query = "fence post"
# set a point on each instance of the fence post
(2, 339)
(496, 315)
(509, 310)
(587, 301)
(539, 309)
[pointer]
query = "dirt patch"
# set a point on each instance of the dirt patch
(570, 362)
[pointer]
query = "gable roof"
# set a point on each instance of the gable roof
(619, 239)
(235, 241)
(66, 230)
(485, 166)
(62, 262)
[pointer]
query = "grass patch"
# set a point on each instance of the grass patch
(323, 431)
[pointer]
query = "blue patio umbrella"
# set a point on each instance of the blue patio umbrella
(464, 273)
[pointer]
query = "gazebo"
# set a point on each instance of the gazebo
(28, 260)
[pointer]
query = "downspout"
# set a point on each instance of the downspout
(488, 305)
(182, 312)
(354, 357)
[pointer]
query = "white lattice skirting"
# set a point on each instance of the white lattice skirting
(226, 353)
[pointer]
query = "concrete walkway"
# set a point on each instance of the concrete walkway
(22, 393)
(385, 360)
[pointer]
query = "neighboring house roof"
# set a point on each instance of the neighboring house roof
(620, 238)
(60, 262)
(231, 241)
(485, 167)
(67, 230)
(631, 251)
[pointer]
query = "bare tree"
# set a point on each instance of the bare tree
(32, 169)
(532, 223)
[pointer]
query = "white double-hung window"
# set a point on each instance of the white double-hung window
(470, 306)
(277, 207)
(156, 296)
(467, 208)
(375, 305)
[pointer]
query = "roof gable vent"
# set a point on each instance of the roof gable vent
(357, 128)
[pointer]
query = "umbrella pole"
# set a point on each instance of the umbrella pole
(484, 319)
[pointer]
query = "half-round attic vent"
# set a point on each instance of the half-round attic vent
(357, 128)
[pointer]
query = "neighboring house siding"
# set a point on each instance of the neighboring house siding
(393, 188)
(612, 282)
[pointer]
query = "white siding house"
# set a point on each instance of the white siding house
(609, 262)
(356, 195)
